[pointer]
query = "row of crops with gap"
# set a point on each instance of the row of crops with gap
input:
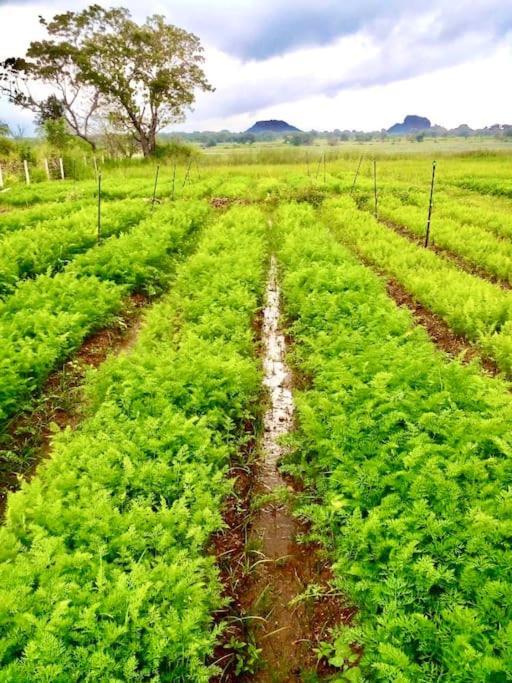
(405, 454)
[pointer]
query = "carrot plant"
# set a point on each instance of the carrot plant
(46, 319)
(409, 458)
(103, 569)
(47, 247)
(477, 309)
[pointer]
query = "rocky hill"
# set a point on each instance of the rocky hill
(272, 126)
(411, 124)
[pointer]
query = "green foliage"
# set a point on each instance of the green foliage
(142, 258)
(475, 244)
(41, 324)
(48, 318)
(471, 306)
(57, 133)
(48, 246)
(103, 572)
(410, 456)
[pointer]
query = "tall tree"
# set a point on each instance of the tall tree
(141, 78)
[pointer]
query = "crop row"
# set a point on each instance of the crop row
(471, 306)
(473, 243)
(18, 219)
(489, 213)
(409, 456)
(47, 318)
(48, 246)
(103, 572)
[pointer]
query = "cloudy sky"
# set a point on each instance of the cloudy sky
(326, 64)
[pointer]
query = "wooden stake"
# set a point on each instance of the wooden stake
(173, 179)
(99, 207)
(27, 174)
(375, 187)
(61, 165)
(95, 166)
(188, 171)
(47, 169)
(154, 189)
(430, 204)
(318, 168)
(357, 173)
(1, 178)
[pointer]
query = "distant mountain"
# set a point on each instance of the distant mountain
(411, 124)
(272, 126)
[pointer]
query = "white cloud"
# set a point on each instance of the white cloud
(444, 64)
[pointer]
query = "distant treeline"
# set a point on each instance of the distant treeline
(213, 138)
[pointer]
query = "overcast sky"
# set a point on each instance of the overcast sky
(326, 64)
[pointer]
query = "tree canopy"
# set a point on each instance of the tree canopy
(100, 69)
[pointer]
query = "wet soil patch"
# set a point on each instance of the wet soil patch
(282, 604)
(27, 437)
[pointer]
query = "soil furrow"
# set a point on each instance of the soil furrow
(27, 438)
(445, 253)
(282, 589)
(438, 330)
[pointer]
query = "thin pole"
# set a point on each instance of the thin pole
(1, 178)
(61, 164)
(188, 171)
(154, 189)
(95, 166)
(430, 204)
(375, 187)
(47, 169)
(173, 178)
(357, 173)
(27, 174)
(99, 207)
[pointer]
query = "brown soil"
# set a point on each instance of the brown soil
(459, 261)
(27, 438)
(439, 331)
(266, 570)
(226, 202)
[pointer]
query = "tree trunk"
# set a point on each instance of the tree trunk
(148, 144)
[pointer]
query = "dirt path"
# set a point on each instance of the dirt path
(285, 624)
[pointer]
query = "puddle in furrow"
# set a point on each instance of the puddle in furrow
(284, 629)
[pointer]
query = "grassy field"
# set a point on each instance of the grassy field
(136, 476)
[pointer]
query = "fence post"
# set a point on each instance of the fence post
(376, 210)
(1, 178)
(99, 207)
(154, 189)
(430, 204)
(47, 169)
(173, 178)
(27, 174)
(357, 173)
(61, 166)
(188, 170)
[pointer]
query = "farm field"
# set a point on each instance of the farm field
(251, 428)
